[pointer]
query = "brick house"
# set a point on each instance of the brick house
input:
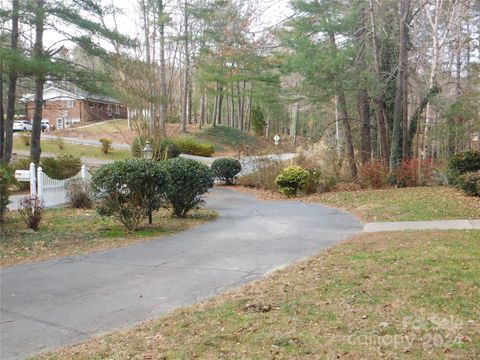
(64, 108)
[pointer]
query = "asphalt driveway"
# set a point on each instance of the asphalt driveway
(59, 302)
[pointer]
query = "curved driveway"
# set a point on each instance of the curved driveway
(59, 302)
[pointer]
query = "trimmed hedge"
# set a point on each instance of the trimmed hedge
(190, 180)
(225, 169)
(194, 147)
(61, 167)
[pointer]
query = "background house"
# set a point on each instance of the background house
(63, 108)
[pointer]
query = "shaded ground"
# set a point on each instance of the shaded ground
(59, 302)
(409, 295)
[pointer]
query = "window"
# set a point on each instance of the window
(69, 104)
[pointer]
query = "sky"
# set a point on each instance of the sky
(272, 12)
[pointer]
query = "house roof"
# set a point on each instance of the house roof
(57, 93)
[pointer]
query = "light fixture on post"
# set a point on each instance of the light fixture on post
(147, 152)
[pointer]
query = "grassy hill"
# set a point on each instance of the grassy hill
(227, 140)
(231, 141)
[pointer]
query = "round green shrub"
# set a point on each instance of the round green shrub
(61, 167)
(469, 183)
(190, 179)
(225, 169)
(128, 189)
(163, 149)
(461, 163)
(292, 179)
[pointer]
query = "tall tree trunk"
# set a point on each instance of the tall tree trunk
(187, 69)
(220, 105)
(227, 110)
(405, 149)
(249, 109)
(295, 125)
(379, 99)
(215, 105)
(2, 118)
(7, 144)
(232, 106)
(241, 105)
(163, 79)
(148, 59)
(38, 54)
(342, 110)
(364, 114)
(202, 107)
(396, 144)
(342, 105)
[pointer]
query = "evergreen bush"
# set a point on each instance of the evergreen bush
(127, 190)
(225, 169)
(461, 163)
(6, 181)
(61, 167)
(469, 183)
(190, 180)
(292, 179)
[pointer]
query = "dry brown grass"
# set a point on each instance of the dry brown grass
(66, 232)
(409, 295)
(394, 204)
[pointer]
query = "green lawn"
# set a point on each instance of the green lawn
(404, 204)
(409, 295)
(63, 147)
(66, 232)
(101, 128)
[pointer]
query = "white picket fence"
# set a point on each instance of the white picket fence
(52, 192)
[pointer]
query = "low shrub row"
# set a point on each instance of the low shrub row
(312, 176)
(167, 148)
(193, 147)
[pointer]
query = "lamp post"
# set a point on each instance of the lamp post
(147, 153)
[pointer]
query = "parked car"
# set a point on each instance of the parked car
(45, 125)
(22, 125)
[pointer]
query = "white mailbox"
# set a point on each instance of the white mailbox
(22, 175)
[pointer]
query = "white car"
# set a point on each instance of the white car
(22, 125)
(45, 125)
